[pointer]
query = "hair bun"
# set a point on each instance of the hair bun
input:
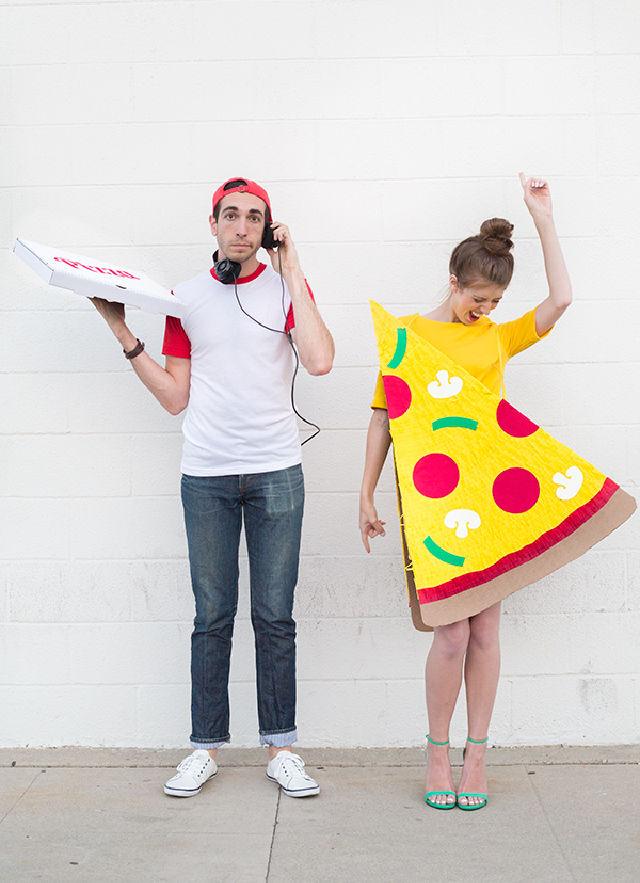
(495, 235)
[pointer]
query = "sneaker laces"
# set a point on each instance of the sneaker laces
(187, 763)
(293, 763)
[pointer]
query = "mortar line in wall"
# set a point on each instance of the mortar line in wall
(415, 302)
(299, 58)
(354, 680)
(106, 372)
(177, 432)
(46, 433)
(314, 182)
(171, 495)
(324, 617)
(363, 305)
(402, 617)
(117, 432)
(187, 623)
(384, 556)
(184, 559)
(399, 617)
(204, 244)
(382, 120)
(156, 496)
(361, 367)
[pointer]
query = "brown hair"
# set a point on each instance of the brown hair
(485, 257)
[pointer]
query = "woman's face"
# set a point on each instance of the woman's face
(473, 301)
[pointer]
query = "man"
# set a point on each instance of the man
(230, 364)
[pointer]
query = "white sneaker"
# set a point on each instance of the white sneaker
(192, 773)
(287, 770)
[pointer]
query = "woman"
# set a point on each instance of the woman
(480, 270)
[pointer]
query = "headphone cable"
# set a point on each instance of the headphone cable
(287, 334)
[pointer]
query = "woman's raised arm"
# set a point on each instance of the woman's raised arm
(537, 197)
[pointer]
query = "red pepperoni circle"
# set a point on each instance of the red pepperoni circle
(398, 394)
(436, 475)
(516, 490)
(513, 422)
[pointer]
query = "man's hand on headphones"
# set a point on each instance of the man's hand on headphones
(286, 256)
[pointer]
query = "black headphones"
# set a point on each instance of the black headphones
(227, 271)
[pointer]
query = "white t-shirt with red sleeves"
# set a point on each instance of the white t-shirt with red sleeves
(239, 419)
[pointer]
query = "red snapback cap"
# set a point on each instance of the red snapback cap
(241, 185)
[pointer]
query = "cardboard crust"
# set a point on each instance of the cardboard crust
(615, 512)
(512, 560)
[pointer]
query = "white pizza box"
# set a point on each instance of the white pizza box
(92, 278)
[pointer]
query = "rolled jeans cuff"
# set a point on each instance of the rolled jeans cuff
(209, 745)
(279, 740)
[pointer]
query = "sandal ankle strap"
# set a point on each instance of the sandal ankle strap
(477, 741)
(433, 741)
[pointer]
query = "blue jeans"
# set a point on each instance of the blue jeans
(272, 503)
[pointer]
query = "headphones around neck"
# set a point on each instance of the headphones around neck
(227, 271)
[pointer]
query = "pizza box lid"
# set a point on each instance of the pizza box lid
(93, 278)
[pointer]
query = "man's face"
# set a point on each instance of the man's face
(239, 226)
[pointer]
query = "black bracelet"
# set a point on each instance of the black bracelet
(135, 351)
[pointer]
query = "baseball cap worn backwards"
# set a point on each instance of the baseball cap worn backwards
(240, 185)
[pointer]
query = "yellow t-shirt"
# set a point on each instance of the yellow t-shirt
(483, 348)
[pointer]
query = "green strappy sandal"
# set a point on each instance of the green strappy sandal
(485, 797)
(430, 794)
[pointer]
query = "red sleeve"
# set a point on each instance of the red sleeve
(176, 342)
(290, 324)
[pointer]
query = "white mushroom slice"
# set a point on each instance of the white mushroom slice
(462, 520)
(570, 483)
(444, 387)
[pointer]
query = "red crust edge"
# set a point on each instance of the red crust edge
(532, 550)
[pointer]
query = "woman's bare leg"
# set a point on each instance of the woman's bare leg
(443, 682)
(481, 672)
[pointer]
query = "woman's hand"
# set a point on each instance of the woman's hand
(369, 523)
(537, 198)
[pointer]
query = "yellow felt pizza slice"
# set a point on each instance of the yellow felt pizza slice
(490, 501)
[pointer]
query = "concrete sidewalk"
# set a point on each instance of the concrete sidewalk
(100, 814)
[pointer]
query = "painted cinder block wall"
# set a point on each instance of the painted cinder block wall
(385, 133)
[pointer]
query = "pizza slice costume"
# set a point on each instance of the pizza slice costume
(489, 502)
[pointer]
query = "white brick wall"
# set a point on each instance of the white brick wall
(385, 132)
